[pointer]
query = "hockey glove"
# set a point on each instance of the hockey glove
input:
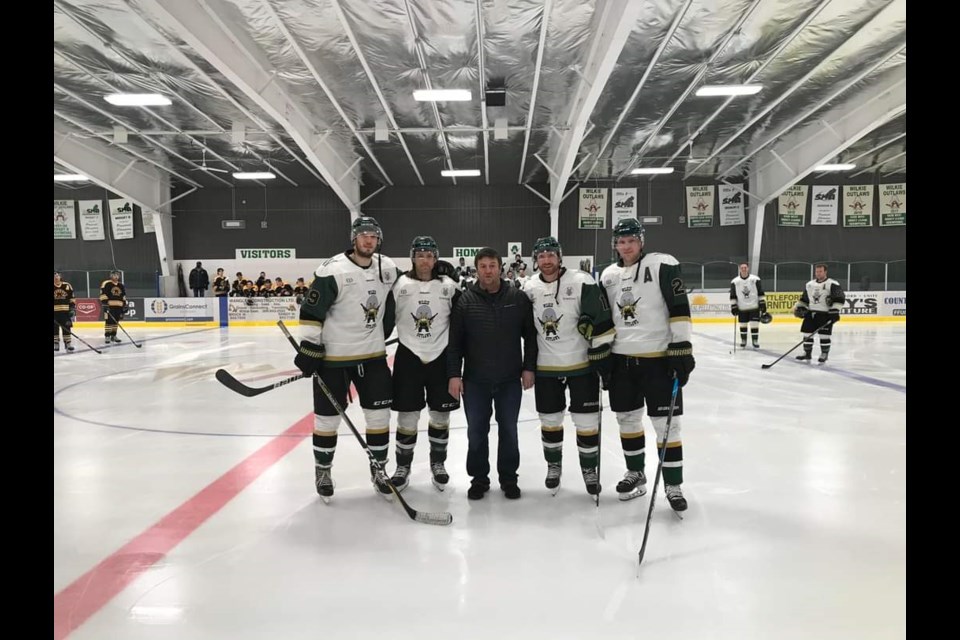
(444, 268)
(585, 327)
(601, 362)
(734, 309)
(763, 307)
(680, 360)
(309, 357)
(105, 310)
(833, 315)
(800, 312)
(73, 315)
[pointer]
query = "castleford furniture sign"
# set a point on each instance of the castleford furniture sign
(266, 254)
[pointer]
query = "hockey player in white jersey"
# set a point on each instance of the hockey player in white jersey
(574, 333)
(819, 306)
(344, 320)
(651, 314)
(424, 295)
(749, 304)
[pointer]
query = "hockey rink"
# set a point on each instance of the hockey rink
(184, 510)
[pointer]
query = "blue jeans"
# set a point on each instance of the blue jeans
(479, 402)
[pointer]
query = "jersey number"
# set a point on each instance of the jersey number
(313, 297)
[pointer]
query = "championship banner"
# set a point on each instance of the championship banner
(624, 205)
(823, 211)
(858, 205)
(64, 220)
(792, 206)
(731, 205)
(700, 206)
(121, 218)
(893, 204)
(593, 209)
(91, 219)
(513, 248)
(146, 217)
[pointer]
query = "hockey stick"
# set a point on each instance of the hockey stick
(439, 517)
(67, 329)
(809, 335)
(662, 453)
(599, 442)
(736, 328)
(225, 378)
(117, 321)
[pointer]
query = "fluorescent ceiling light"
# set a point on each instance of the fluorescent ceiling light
(137, 100)
(254, 175)
(457, 173)
(69, 177)
(442, 95)
(649, 170)
(835, 167)
(729, 89)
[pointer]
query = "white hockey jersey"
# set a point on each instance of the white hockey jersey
(747, 292)
(649, 305)
(557, 307)
(822, 296)
(346, 306)
(423, 314)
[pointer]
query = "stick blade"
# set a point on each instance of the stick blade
(440, 518)
(223, 377)
(765, 366)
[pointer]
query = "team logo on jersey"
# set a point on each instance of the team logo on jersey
(628, 309)
(370, 310)
(550, 323)
(422, 321)
(445, 291)
(816, 295)
(745, 291)
(569, 291)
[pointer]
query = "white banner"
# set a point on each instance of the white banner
(513, 248)
(64, 220)
(823, 211)
(593, 209)
(147, 217)
(731, 205)
(180, 309)
(624, 205)
(91, 219)
(262, 310)
(893, 204)
(700, 206)
(858, 205)
(792, 206)
(121, 219)
(266, 254)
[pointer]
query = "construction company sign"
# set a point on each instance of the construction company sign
(260, 310)
(266, 254)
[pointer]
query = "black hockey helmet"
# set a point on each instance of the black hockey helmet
(548, 243)
(626, 228)
(424, 243)
(366, 224)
